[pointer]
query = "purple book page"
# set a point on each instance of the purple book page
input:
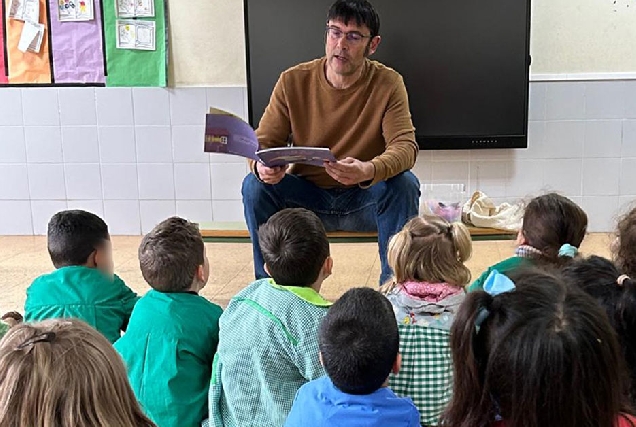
(306, 155)
(78, 56)
(225, 133)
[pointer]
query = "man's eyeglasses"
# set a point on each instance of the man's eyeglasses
(335, 33)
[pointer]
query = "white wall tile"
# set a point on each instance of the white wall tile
(12, 144)
(227, 181)
(629, 139)
(423, 168)
(601, 176)
(187, 145)
(630, 99)
(43, 210)
(122, 217)
(450, 172)
(94, 206)
(15, 218)
(565, 101)
(155, 211)
(564, 139)
(493, 154)
(563, 176)
(605, 100)
(14, 182)
(625, 204)
(601, 213)
(83, 181)
(80, 144)
(525, 178)
(536, 107)
(489, 177)
(119, 181)
(536, 137)
(40, 106)
(151, 106)
(195, 210)
(603, 138)
(230, 99)
(192, 181)
(117, 144)
(188, 106)
(11, 107)
(224, 158)
(154, 144)
(43, 144)
(114, 106)
(450, 155)
(156, 181)
(77, 106)
(227, 210)
(628, 176)
(46, 181)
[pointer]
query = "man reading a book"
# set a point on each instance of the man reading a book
(357, 108)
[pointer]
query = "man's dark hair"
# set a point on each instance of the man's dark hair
(73, 235)
(359, 341)
(170, 254)
(295, 246)
(360, 11)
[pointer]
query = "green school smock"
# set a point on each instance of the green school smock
(83, 293)
(168, 350)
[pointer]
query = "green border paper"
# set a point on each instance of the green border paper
(128, 67)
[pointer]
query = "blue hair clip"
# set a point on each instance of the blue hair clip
(568, 250)
(497, 283)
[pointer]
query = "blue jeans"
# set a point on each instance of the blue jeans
(385, 207)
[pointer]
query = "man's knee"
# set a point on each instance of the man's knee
(405, 185)
(251, 188)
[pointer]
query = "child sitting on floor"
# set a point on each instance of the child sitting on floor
(268, 343)
(624, 247)
(616, 293)
(173, 332)
(427, 257)
(63, 373)
(535, 352)
(83, 285)
(552, 231)
(359, 345)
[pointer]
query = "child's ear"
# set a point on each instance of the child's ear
(267, 269)
(201, 274)
(320, 359)
(397, 364)
(327, 267)
(521, 239)
(102, 259)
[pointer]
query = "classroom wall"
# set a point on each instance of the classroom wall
(136, 156)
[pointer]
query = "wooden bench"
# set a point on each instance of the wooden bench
(237, 231)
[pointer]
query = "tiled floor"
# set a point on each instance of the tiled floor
(355, 264)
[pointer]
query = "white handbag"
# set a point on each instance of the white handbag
(480, 211)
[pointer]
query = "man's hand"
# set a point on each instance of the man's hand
(350, 171)
(270, 175)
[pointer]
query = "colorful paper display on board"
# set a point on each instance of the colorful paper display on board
(44, 42)
(136, 62)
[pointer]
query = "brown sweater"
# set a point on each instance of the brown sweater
(369, 120)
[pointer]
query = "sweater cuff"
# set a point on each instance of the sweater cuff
(255, 170)
(379, 175)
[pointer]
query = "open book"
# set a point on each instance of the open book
(229, 134)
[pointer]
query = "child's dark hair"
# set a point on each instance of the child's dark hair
(359, 341)
(359, 10)
(616, 293)
(551, 221)
(73, 235)
(625, 247)
(541, 355)
(295, 246)
(170, 254)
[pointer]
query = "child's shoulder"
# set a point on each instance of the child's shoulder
(504, 266)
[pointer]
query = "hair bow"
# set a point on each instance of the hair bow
(568, 250)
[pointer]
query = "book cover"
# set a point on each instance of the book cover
(229, 134)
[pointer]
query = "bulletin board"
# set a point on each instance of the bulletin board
(83, 42)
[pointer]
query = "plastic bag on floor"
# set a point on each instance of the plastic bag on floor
(480, 211)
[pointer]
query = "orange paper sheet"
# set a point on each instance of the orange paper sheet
(27, 67)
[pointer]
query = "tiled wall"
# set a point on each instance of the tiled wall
(135, 155)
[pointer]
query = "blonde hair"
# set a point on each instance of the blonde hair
(429, 249)
(63, 373)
